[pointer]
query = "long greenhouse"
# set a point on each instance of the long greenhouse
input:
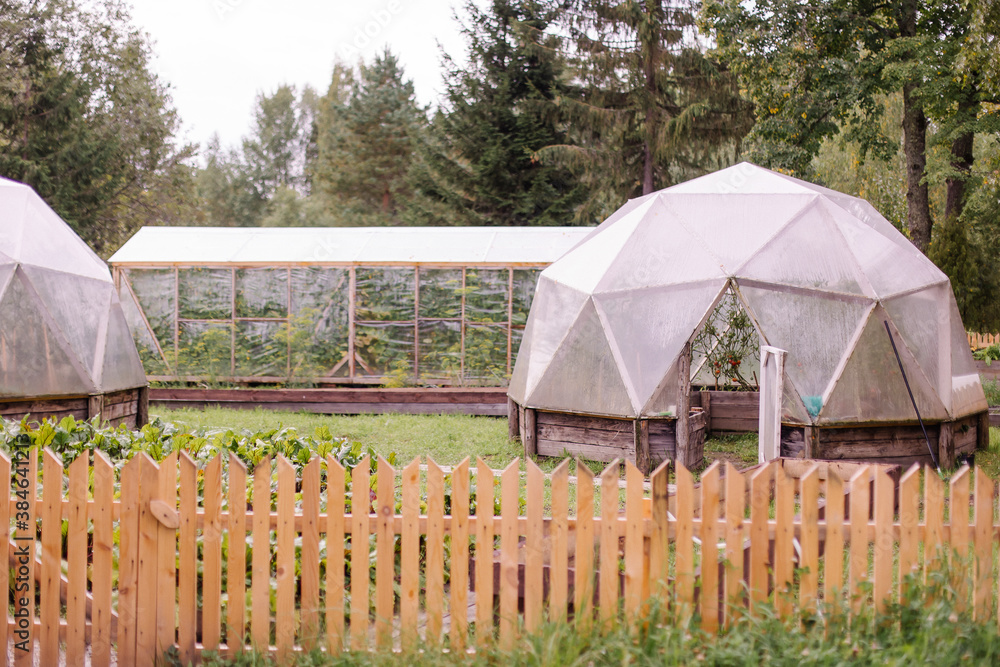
(333, 305)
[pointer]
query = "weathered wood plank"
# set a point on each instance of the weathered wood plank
(510, 480)
(458, 572)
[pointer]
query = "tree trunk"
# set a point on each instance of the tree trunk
(961, 162)
(652, 117)
(918, 215)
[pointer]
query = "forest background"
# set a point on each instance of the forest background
(560, 112)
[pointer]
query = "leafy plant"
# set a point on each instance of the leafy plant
(727, 342)
(988, 354)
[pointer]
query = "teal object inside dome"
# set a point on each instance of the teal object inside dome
(813, 404)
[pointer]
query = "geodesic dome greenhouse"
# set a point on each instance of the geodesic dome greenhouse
(819, 273)
(65, 347)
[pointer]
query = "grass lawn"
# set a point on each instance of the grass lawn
(446, 438)
(450, 438)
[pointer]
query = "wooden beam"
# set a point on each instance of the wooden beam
(946, 445)
(513, 425)
(683, 405)
(529, 436)
(642, 458)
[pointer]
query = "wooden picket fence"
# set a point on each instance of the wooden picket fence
(222, 559)
(978, 341)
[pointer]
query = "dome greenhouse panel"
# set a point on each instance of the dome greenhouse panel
(48, 242)
(871, 387)
(890, 268)
(34, 359)
(583, 267)
(555, 309)
(817, 330)
(87, 299)
(121, 368)
(923, 319)
(810, 253)
(967, 396)
(583, 374)
(660, 251)
(734, 227)
(649, 327)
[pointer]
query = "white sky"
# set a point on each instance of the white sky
(218, 54)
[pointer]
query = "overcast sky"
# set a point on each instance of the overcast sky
(218, 54)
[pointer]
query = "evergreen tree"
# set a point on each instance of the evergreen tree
(478, 165)
(365, 146)
(649, 109)
(85, 122)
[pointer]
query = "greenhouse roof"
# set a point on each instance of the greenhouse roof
(348, 245)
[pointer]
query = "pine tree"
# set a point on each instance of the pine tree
(478, 165)
(649, 109)
(366, 144)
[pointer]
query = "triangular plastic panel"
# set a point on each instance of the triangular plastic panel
(625, 209)
(32, 360)
(49, 242)
(809, 252)
(743, 178)
(871, 387)
(924, 322)
(6, 273)
(583, 267)
(734, 227)
(889, 266)
(583, 375)
(122, 368)
(155, 292)
(13, 200)
(661, 251)
(137, 327)
(663, 403)
(649, 328)
(553, 311)
(792, 408)
(77, 305)
(967, 396)
(816, 331)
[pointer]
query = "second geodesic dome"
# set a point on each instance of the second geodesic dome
(65, 347)
(819, 272)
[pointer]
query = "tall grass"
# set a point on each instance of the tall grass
(928, 629)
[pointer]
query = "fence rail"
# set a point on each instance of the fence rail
(225, 558)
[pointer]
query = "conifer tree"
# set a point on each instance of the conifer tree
(649, 109)
(478, 165)
(366, 144)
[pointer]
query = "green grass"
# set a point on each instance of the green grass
(446, 438)
(992, 390)
(928, 630)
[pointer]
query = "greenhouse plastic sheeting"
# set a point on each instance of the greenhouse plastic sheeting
(525, 281)
(32, 362)
(820, 272)
(261, 349)
(62, 324)
(152, 361)
(205, 294)
(205, 349)
(261, 293)
(440, 349)
(384, 350)
(485, 295)
(155, 290)
(441, 293)
(385, 295)
(486, 354)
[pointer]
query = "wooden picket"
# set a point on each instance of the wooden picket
(680, 546)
